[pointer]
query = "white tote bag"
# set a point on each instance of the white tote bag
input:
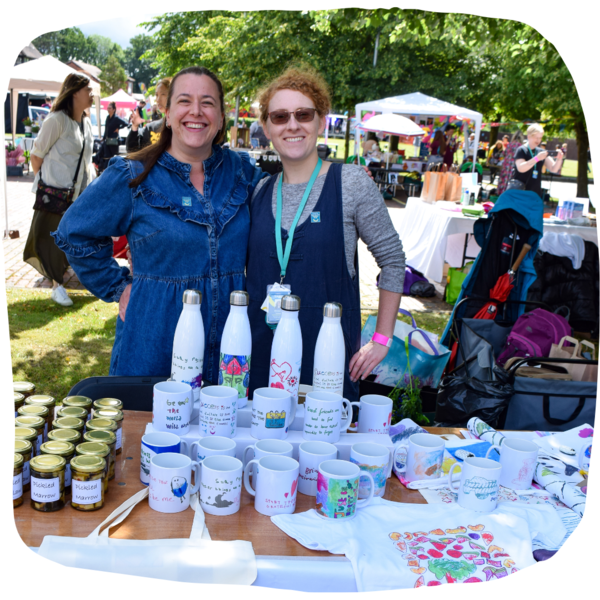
(195, 560)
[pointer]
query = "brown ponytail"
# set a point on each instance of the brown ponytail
(150, 154)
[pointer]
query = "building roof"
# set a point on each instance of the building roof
(31, 52)
(90, 70)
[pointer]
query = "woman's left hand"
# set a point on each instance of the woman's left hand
(366, 359)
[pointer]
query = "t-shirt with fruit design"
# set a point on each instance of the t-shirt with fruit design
(393, 545)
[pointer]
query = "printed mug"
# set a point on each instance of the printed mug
(171, 482)
(518, 459)
(375, 414)
(267, 448)
(172, 405)
(155, 443)
(218, 411)
(273, 412)
(276, 482)
(311, 455)
(478, 484)
(374, 459)
(213, 446)
(584, 458)
(337, 489)
(221, 485)
(420, 457)
(323, 419)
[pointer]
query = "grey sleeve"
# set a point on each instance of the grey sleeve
(374, 226)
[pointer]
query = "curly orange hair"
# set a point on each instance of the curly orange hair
(307, 81)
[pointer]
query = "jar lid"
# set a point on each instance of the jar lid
(24, 387)
(192, 297)
(102, 424)
(73, 411)
(108, 413)
(93, 448)
(32, 409)
(19, 397)
(88, 464)
(29, 421)
(23, 446)
(108, 403)
(239, 298)
(100, 435)
(18, 461)
(68, 423)
(42, 399)
(25, 433)
(46, 463)
(64, 435)
(290, 303)
(77, 401)
(332, 309)
(57, 447)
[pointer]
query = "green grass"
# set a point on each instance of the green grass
(434, 322)
(55, 347)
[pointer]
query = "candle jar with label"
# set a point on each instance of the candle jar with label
(64, 449)
(72, 411)
(110, 439)
(36, 423)
(18, 481)
(69, 423)
(24, 387)
(19, 401)
(29, 435)
(24, 448)
(96, 449)
(29, 410)
(44, 400)
(81, 402)
(47, 482)
(117, 416)
(88, 482)
(65, 435)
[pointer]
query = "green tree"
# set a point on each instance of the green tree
(104, 47)
(67, 44)
(136, 66)
(113, 76)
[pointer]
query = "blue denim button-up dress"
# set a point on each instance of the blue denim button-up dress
(179, 239)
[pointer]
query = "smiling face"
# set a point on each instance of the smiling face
(294, 141)
(194, 114)
(534, 139)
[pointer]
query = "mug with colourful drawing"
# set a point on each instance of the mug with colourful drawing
(518, 459)
(375, 414)
(171, 482)
(478, 484)
(374, 459)
(584, 458)
(337, 489)
(420, 457)
(221, 485)
(310, 456)
(275, 484)
(158, 442)
(323, 419)
(218, 411)
(273, 412)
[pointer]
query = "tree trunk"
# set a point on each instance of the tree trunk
(493, 136)
(581, 135)
(394, 140)
(347, 138)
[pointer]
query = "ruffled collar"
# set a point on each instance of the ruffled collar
(183, 169)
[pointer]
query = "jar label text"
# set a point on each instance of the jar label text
(45, 490)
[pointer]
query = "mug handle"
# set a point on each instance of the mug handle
(194, 454)
(196, 469)
(245, 454)
(351, 428)
(348, 422)
(247, 470)
(450, 482)
(365, 501)
(184, 447)
(396, 451)
(294, 408)
(391, 463)
(487, 454)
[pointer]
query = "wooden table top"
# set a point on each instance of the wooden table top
(143, 523)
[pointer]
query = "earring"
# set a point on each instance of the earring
(167, 124)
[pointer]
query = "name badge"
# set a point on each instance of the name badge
(272, 303)
(315, 217)
(535, 174)
(186, 201)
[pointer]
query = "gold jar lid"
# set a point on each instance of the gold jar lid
(41, 399)
(108, 403)
(64, 435)
(108, 413)
(93, 449)
(32, 409)
(57, 447)
(47, 463)
(25, 433)
(100, 435)
(23, 446)
(68, 423)
(73, 411)
(82, 401)
(30, 421)
(19, 397)
(102, 424)
(88, 464)
(23, 387)
(19, 460)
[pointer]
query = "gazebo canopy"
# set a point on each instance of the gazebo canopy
(121, 98)
(392, 124)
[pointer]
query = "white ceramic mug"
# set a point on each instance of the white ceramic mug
(171, 482)
(267, 448)
(172, 406)
(375, 414)
(273, 412)
(213, 446)
(478, 484)
(158, 442)
(323, 419)
(221, 485)
(337, 489)
(420, 457)
(276, 482)
(374, 459)
(311, 455)
(518, 459)
(218, 411)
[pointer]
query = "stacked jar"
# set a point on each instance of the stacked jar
(19, 401)
(80, 402)
(106, 403)
(70, 423)
(28, 434)
(110, 439)
(36, 423)
(24, 387)
(18, 481)
(25, 449)
(96, 449)
(72, 411)
(30, 410)
(117, 416)
(65, 435)
(48, 402)
(64, 449)
(47, 482)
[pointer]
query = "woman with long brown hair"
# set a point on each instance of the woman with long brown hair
(56, 154)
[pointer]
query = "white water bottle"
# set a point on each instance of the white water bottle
(188, 344)
(286, 350)
(330, 352)
(236, 347)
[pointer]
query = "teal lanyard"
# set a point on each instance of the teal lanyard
(530, 152)
(284, 258)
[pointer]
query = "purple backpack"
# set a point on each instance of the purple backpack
(533, 335)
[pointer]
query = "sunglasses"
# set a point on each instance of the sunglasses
(302, 115)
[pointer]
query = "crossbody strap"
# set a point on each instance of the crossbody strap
(78, 162)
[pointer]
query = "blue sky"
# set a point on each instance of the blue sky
(118, 30)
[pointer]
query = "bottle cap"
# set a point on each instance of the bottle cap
(192, 297)
(239, 298)
(290, 303)
(332, 309)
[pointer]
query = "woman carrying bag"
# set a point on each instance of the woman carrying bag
(61, 158)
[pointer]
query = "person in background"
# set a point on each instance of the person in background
(156, 114)
(47, 103)
(257, 132)
(142, 135)
(505, 141)
(495, 158)
(438, 146)
(451, 144)
(54, 158)
(140, 108)
(509, 161)
(112, 125)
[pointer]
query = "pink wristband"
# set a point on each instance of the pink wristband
(536, 158)
(381, 339)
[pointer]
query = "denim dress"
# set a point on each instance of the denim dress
(179, 239)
